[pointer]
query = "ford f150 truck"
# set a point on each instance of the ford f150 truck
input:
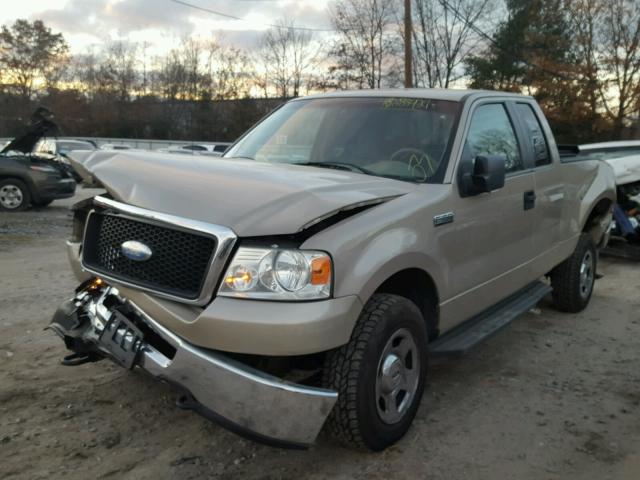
(305, 278)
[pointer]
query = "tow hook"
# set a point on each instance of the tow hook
(70, 322)
(76, 359)
(96, 324)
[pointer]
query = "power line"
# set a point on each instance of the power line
(234, 17)
(203, 9)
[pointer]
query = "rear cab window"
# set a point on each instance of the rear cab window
(534, 134)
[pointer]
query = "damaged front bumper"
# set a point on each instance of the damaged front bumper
(98, 323)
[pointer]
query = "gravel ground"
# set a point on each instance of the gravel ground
(553, 396)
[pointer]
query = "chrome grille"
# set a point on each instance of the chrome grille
(177, 266)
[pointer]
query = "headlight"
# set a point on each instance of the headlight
(276, 274)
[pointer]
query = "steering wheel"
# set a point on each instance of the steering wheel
(420, 164)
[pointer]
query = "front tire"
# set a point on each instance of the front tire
(14, 195)
(379, 375)
(573, 280)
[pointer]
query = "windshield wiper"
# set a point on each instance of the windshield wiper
(339, 166)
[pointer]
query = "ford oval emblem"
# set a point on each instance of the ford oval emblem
(136, 251)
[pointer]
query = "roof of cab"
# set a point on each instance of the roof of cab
(455, 95)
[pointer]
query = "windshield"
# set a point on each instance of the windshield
(402, 138)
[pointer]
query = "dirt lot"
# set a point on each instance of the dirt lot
(552, 396)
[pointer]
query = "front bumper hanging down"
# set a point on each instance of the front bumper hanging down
(98, 323)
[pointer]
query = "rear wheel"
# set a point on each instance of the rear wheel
(379, 375)
(14, 195)
(573, 280)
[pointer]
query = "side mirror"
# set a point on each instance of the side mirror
(487, 174)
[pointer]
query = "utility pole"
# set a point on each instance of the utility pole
(408, 61)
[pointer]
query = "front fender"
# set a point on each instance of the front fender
(369, 248)
(390, 253)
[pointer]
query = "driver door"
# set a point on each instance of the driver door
(489, 249)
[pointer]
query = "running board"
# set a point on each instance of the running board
(468, 334)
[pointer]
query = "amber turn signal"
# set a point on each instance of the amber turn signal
(321, 270)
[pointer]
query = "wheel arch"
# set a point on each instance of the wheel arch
(597, 222)
(418, 286)
(17, 176)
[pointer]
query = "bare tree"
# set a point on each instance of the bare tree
(365, 50)
(584, 18)
(287, 55)
(144, 65)
(83, 73)
(621, 59)
(182, 73)
(444, 36)
(196, 83)
(228, 70)
(117, 74)
(607, 46)
(260, 73)
(31, 55)
(232, 74)
(171, 76)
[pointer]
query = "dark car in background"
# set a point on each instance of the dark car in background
(31, 175)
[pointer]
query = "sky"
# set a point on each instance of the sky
(163, 23)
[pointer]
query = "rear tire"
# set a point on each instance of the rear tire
(573, 280)
(379, 375)
(14, 195)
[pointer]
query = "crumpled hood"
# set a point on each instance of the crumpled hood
(252, 198)
(26, 142)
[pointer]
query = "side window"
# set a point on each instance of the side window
(535, 133)
(491, 133)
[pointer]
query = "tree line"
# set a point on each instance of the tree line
(579, 58)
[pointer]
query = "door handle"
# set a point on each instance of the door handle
(529, 200)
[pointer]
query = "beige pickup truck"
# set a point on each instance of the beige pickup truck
(305, 278)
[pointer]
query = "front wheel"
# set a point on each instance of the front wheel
(573, 280)
(379, 375)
